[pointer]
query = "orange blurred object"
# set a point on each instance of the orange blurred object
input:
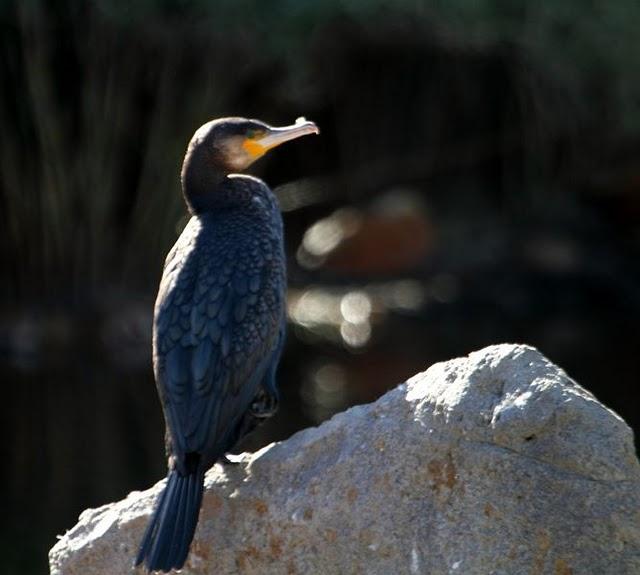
(384, 245)
(392, 236)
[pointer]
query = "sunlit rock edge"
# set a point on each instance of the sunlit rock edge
(493, 463)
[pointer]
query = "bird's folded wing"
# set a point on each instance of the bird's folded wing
(217, 323)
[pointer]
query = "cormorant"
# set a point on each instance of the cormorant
(219, 321)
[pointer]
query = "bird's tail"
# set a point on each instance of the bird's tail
(166, 541)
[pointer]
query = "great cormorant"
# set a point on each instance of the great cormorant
(219, 321)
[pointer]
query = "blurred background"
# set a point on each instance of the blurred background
(477, 181)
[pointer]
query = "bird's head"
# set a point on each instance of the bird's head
(233, 144)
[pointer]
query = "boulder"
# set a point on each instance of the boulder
(496, 463)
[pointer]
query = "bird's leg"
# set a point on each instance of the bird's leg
(266, 401)
(263, 406)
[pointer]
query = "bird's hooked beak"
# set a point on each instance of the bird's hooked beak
(272, 137)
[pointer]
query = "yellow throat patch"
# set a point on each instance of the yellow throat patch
(254, 149)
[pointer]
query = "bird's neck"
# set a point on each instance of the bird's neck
(202, 184)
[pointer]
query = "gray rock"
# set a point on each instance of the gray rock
(497, 463)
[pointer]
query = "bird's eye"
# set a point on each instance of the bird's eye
(253, 133)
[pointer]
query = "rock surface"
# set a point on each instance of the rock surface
(497, 463)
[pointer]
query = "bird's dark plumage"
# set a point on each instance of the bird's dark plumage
(218, 323)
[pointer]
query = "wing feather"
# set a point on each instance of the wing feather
(217, 320)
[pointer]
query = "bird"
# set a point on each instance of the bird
(219, 321)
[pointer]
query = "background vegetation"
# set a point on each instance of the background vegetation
(477, 181)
